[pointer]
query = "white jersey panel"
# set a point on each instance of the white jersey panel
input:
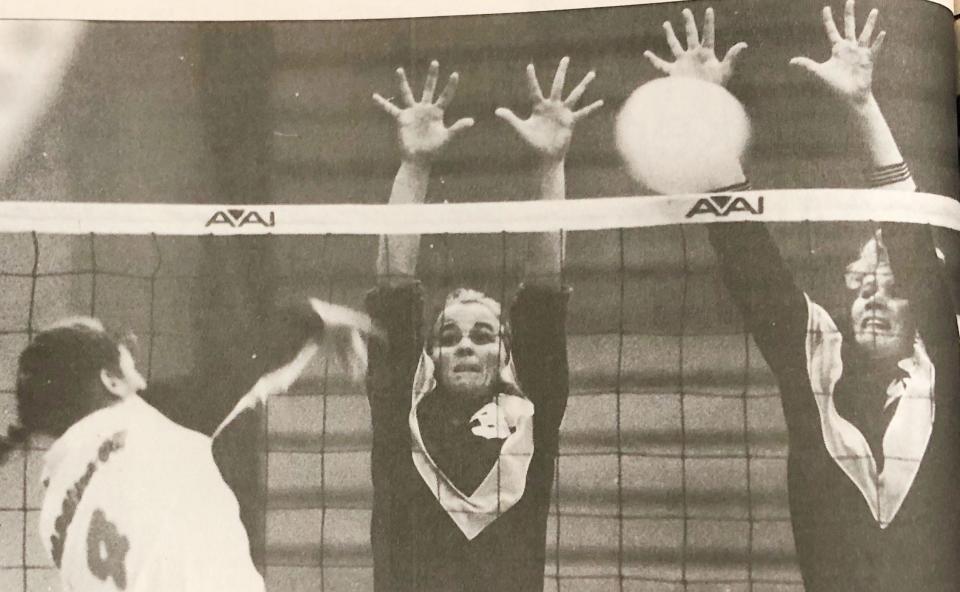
(135, 502)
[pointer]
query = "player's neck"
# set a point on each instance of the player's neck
(103, 399)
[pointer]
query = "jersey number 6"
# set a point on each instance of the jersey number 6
(107, 550)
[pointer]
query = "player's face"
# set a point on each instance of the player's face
(882, 321)
(467, 350)
(130, 382)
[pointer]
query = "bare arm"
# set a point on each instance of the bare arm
(849, 75)
(397, 254)
(422, 136)
(549, 130)
(267, 362)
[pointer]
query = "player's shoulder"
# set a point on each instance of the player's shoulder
(150, 415)
(162, 437)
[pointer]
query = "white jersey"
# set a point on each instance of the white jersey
(135, 502)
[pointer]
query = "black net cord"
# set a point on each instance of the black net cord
(324, 257)
(503, 309)
(151, 332)
(556, 549)
(265, 477)
(876, 228)
(683, 419)
(31, 312)
(746, 455)
(620, 329)
(93, 275)
(556, 543)
(262, 302)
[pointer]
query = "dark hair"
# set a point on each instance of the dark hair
(58, 380)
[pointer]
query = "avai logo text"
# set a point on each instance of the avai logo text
(237, 218)
(724, 205)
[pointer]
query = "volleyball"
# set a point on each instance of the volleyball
(682, 135)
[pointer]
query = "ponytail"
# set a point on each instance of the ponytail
(17, 437)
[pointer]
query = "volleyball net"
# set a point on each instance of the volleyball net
(672, 466)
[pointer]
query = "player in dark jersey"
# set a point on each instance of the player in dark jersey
(869, 394)
(466, 419)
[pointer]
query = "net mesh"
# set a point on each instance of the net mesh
(673, 449)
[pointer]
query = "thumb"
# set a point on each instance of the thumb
(510, 117)
(806, 64)
(460, 125)
(731, 56)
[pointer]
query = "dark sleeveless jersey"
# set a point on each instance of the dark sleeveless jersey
(869, 512)
(417, 545)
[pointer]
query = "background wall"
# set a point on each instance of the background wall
(139, 120)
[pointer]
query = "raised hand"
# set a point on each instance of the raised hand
(344, 335)
(699, 59)
(420, 126)
(849, 71)
(549, 128)
(295, 335)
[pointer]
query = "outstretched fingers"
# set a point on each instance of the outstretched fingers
(690, 25)
(386, 105)
(806, 64)
(849, 21)
(449, 91)
(533, 86)
(709, 28)
(559, 79)
(335, 315)
(510, 117)
(878, 43)
(829, 26)
(460, 125)
(658, 62)
(672, 40)
(868, 28)
(580, 114)
(430, 85)
(733, 53)
(406, 94)
(578, 90)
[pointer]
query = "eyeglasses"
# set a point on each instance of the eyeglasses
(858, 272)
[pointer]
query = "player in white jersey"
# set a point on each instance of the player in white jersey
(134, 501)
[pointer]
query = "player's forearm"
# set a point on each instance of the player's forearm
(545, 250)
(755, 274)
(886, 162)
(397, 259)
(397, 256)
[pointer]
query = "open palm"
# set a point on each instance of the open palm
(420, 128)
(849, 71)
(699, 59)
(549, 128)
